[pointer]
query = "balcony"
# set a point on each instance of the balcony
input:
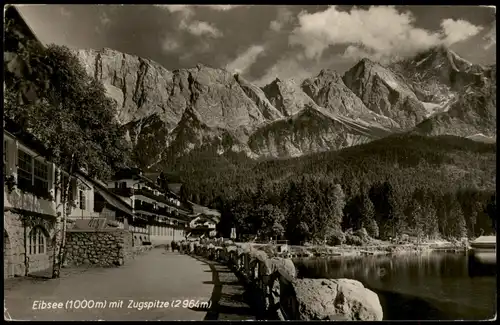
(148, 207)
(29, 198)
(125, 192)
(157, 197)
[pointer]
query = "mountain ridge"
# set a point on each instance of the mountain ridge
(370, 100)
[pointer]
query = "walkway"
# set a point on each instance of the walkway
(230, 298)
(155, 276)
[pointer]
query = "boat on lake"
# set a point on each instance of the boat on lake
(484, 243)
(483, 256)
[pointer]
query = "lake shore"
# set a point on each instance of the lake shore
(375, 247)
(378, 248)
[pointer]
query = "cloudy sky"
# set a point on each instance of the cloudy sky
(263, 42)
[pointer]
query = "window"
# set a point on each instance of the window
(37, 242)
(24, 170)
(116, 184)
(41, 175)
(82, 198)
(124, 185)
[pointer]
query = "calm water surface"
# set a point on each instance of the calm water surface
(432, 286)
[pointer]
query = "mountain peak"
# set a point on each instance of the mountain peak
(440, 49)
(193, 107)
(368, 62)
(329, 73)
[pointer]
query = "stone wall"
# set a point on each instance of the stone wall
(103, 248)
(281, 295)
(16, 237)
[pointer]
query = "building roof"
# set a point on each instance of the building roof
(137, 174)
(175, 188)
(11, 12)
(152, 175)
(29, 140)
(205, 217)
(199, 209)
(111, 198)
(95, 224)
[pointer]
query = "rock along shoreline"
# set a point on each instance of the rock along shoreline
(281, 295)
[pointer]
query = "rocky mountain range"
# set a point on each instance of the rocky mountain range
(169, 113)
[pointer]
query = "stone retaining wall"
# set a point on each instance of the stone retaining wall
(103, 248)
(281, 295)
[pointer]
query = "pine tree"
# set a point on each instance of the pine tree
(431, 228)
(491, 210)
(367, 212)
(338, 204)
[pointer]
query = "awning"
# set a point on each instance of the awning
(110, 198)
(117, 203)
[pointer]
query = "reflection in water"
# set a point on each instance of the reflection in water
(434, 285)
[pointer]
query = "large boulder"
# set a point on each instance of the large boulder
(323, 299)
(259, 255)
(284, 266)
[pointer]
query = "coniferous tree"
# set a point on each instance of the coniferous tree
(368, 216)
(491, 210)
(338, 204)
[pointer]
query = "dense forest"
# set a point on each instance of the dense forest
(422, 186)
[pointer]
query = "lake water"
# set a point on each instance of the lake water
(432, 286)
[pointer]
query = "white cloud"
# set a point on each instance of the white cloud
(458, 30)
(245, 59)
(297, 66)
(176, 8)
(105, 20)
(285, 15)
(170, 45)
(194, 27)
(222, 7)
(291, 66)
(378, 32)
(491, 37)
(189, 8)
(202, 47)
(199, 28)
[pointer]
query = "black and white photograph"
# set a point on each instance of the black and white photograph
(235, 162)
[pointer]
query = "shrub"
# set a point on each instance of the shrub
(353, 240)
(337, 237)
